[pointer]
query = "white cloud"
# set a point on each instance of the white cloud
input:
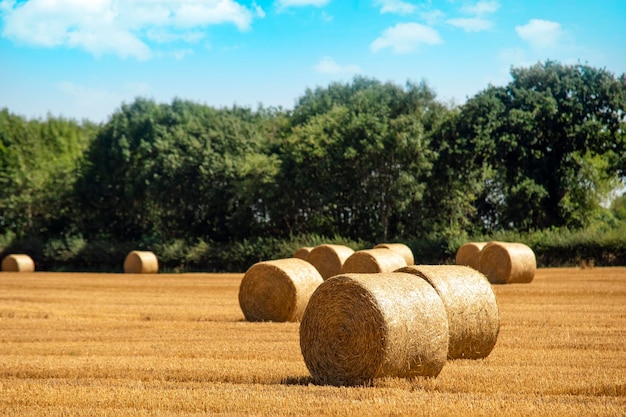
(471, 24)
(432, 17)
(283, 4)
(117, 27)
(481, 8)
(327, 65)
(404, 38)
(541, 34)
(396, 6)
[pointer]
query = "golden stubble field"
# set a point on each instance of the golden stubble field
(177, 344)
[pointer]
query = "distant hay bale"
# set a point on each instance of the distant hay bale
(506, 263)
(401, 249)
(358, 327)
(469, 254)
(473, 317)
(373, 260)
(278, 290)
(328, 259)
(303, 252)
(18, 263)
(141, 262)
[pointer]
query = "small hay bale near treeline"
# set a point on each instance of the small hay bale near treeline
(278, 290)
(469, 254)
(358, 327)
(401, 249)
(141, 262)
(18, 263)
(471, 307)
(372, 261)
(507, 262)
(328, 259)
(303, 252)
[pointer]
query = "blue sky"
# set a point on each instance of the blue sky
(84, 58)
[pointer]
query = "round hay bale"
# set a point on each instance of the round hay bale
(469, 254)
(141, 262)
(328, 259)
(277, 290)
(401, 249)
(303, 252)
(18, 263)
(473, 317)
(358, 327)
(506, 263)
(373, 260)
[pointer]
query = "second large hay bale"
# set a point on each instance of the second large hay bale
(373, 260)
(469, 254)
(277, 290)
(18, 263)
(358, 327)
(507, 262)
(473, 317)
(328, 259)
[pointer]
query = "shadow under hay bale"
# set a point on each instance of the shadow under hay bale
(358, 327)
(469, 254)
(141, 262)
(328, 259)
(473, 317)
(278, 290)
(399, 248)
(18, 263)
(303, 252)
(372, 261)
(506, 263)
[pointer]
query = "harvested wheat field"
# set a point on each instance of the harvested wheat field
(173, 345)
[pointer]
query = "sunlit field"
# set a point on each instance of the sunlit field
(177, 344)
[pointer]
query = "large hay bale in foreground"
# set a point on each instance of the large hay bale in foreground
(358, 327)
(141, 262)
(303, 252)
(328, 259)
(278, 290)
(506, 263)
(373, 260)
(473, 317)
(469, 254)
(399, 248)
(18, 263)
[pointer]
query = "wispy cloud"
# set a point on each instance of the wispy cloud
(284, 4)
(471, 24)
(477, 19)
(327, 65)
(541, 34)
(405, 38)
(121, 28)
(481, 8)
(396, 6)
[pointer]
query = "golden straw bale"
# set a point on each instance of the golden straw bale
(278, 290)
(473, 317)
(358, 327)
(469, 254)
(328, 259)
(18, 263)
(401, 249)
(141, 262)
(303, 252)
(506, 263)
(373, 260)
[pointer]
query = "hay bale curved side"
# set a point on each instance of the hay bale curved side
(328, 259)
(507, 262)
(373, 260)
(141, 262)
(358, 327)
(473, 316)
(469, 254)
(401, 249)
(18, 263)
(277, 290)
(303, 252)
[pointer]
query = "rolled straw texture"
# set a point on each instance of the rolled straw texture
(506, 263)
(328, 259)
(469, 254)
(141, 262)
(473, 317)
(303, 252)
(18, 263)
(278, 290)
(373, 260)
(401, 249)
(358, 327)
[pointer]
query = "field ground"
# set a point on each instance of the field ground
(172, 345)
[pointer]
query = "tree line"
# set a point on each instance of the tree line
(364, 160)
